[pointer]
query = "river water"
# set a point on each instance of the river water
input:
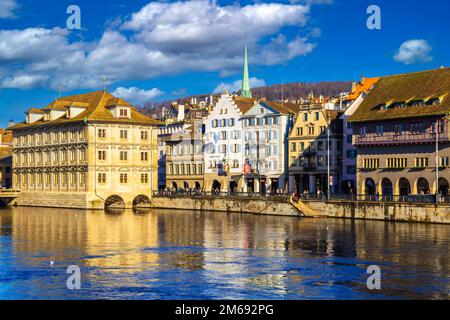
(168, 254)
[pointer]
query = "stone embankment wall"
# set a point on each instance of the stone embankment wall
(337, 209)
(262, 205)
(383, 211)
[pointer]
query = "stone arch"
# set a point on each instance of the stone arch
(197, 185)
(387, 188)
(443, 186)
(174, 185)
(185, 185)
(404, 187)
(216, 186)
(114, 202)
(141, 201)
(423, 187)
(369, 186)
(233, 187)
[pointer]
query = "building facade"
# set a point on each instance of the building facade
(85, 151)
(401, 135)
(224, 154)
(5, 159)
(351, 102)
(165, 131)
(266, 127)
(184, 154)
(308, 155)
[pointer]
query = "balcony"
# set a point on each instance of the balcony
(390, 138)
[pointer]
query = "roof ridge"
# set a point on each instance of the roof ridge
(413, 73)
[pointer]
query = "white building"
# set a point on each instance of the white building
(266, 128)
(351, 102)
(224, 154)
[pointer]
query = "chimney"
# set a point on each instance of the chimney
(180, 116)
(11, 123)
(363, 79)
(353, 86)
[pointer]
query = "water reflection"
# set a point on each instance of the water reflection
(150, 254)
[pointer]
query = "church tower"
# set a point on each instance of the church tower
(245, 90)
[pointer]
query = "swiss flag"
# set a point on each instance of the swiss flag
(247, 168)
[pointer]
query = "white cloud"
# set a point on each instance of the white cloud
(236, 85)
(179, 92)
(414, 51)
(24, 81)
(160, 39)
(8, 8)
(137, 96)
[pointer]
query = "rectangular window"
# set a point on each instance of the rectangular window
(123, 134)
(83, 155)
(73, 178)
(317, 116)
(144, 135)
(371, 163)
(362, 131)
(101, 154)
(351, 154)
(123, 155)
(293, 146)
(102, 178)
(123, 112)
(305, 116)
(349, 139)
(379, 130)
(144, 178)
(396, 162)
(302, 146)
(102, 133)
(123, 178)
(144, 156)
(421, 162)
(320, 146)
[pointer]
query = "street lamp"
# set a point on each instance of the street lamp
(328, 160)
(436, 132)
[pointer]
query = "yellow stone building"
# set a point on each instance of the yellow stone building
(308, 156)
(85, 151)
(5, 158)
(184, 157)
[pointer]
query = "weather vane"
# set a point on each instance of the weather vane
(104, 83)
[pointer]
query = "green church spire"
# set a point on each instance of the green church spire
(245, 91)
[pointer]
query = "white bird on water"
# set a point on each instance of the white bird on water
(52, 262)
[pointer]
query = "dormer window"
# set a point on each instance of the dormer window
(123, 113)
(433, 102)
(33, 115)
(397, 105)
(416, 103)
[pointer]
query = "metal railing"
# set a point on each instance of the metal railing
(199, 193)
(320, 196)
(412, 198)
(391, 137)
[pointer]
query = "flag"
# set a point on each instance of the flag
(247, 168)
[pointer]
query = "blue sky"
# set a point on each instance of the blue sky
(161, 50)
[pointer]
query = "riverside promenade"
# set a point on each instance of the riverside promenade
(405, 209)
